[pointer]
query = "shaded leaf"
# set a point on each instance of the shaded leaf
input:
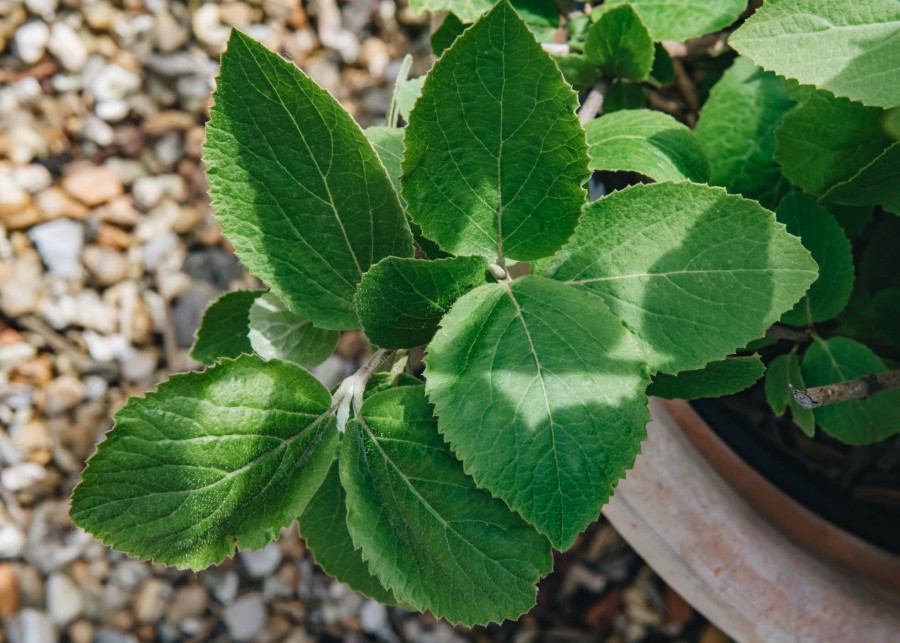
(876, 183)
(650, 143)
(188, 474)
(741, 149)
(495, 158)
(323, 525)
(825, 141)
(577, 70)
(443, 36)
(224, 327)
(724, 377)
(719, 272)
(296, 186)
(622, 95)
(619, 44)
(438, 542)
(855, 422)
(401, 301)
(851, 50)
(823, 236)
(541, 392)
(782, 374)
(277, 333)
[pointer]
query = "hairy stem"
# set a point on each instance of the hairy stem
(858, 389)
(350, 392)
(777, 331)
(593, 104)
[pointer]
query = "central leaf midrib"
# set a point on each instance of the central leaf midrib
(312, 156)
(446, 525)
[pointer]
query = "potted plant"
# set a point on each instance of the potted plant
(546, 319)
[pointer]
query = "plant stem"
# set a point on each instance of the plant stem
(777, 331)
(350, 392)
(858, 389)
(593, 104)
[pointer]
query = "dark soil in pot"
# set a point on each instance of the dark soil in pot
(855, 488)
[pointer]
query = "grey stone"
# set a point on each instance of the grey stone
(246, 617)
(59, 243)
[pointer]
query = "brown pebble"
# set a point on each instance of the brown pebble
(92, 185)
(105, 264)
(37, 370)
(9, 592)
(121, 619)
(168, 121)
(113, 237)
(22, 218)
(351, 344)
(54, 203)
(712, 634)
(600, 615)
(678, 610)
(120, 211)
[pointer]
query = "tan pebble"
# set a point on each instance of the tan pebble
(238, 14)
(120, 211)
(62, 394)
(351, 344)
(193, 141)
(121, 619)
(170, 120)
(151, 601)
(9, 591)
(106, 265)
(81, 631)
(189, 601)
(113, 237)
(711, 634)
(92, 185)
(32, 436)
(21, 219)
(54, 203)
(146, 633)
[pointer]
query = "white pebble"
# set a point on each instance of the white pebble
(31, 41)
(113, 83)
(246, 617)
(59, 243)
(67, 48)
(22, 476)
(262, 563)
(12, 541)
(64, 599)
(32, 626)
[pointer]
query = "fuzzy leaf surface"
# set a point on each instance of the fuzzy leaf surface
(540, 391)
(825, 141)
(224, 327)
(850, 49)
(840, 359)
(620, 45)
(277, 333)
(694, 272)
(401, 301)
(296, 185)
(388, 143)
(823, 236)
(742, 148)
(211, 461)
(650, 143)
(535, 13)
(683, 19)
(783, 373)
(876, 183)
(438, 542)
(723, 377)
(495, 157)
(323, 525)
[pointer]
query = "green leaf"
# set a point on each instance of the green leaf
(650, 143)
(693, 271)
(622, 95)
(856, 422)
(277, 333)
(385, 381)
(401, 301)
(741, 148)
(782, 374)
(853, 219)
(825, 141)
(724, 377)
(296, 186)
(211, 461)
(683, 19)
(619, 44)
(223, 329)
(495, 157)
(850, 49)
(388, 143)
(876, 183)
(537, 14)
(577, 71)
(663, 71)
(823, 236)
(428, 533)
(408, 92)
(324, 526)
(443, 36)
(541, 392)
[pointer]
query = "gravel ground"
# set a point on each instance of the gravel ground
(108, 256)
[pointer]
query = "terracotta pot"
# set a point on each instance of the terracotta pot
(753, 561)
